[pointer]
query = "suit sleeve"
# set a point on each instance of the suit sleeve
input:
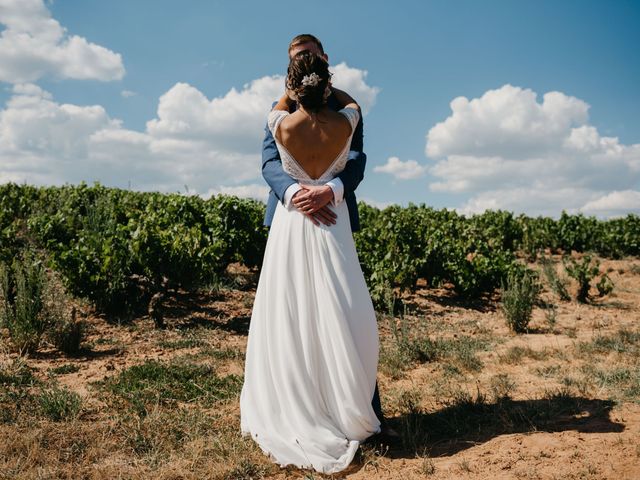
(272, 170)
(353, 172)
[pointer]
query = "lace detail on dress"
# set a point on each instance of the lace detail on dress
(291, 165)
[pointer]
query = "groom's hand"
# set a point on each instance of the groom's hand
(312, 200)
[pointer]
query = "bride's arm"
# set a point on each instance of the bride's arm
(285, 103)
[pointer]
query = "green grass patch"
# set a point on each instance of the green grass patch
(16, 373)
(59, 404)
(623, 341)
(623, 382)
(16, 378)
(172, 382)
(180, 343)
(405, 350)
(64, 369)
(517, 353)
(247, 469)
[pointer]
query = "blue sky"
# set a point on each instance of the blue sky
(505, 149)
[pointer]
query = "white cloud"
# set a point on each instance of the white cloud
(401, 170)
(531, 200)
(30, 89)
(507, 120)
(34, 45)
(613, 203)
(254, 190)
(193, 143)
(506, 150)
(376, 203)
(353, 81)
(203, 144)
(44, 142)
(234, 122)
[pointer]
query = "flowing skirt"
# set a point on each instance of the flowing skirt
(312, 351)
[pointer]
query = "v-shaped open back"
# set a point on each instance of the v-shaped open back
(293, 167)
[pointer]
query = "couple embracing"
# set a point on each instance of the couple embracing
(310, 395)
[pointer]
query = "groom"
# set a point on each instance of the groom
(314, 200)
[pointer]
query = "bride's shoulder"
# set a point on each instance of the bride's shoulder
(351, 114)
(277, 114)
(334, 121)
(275, 118)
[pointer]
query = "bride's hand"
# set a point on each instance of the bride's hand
(312, 200)
(324, 215)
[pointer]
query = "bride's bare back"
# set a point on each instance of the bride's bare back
(314, 143)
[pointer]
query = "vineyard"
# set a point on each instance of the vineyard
(509, 345)
(119, 248)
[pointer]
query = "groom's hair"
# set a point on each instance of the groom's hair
(305, 38)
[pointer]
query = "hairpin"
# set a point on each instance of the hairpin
(311, 80)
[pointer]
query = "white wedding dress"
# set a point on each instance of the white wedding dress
(312, 351)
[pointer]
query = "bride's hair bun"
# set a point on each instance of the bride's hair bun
(308, 88)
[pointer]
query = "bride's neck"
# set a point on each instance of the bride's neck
(311, 112)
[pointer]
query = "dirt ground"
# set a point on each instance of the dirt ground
(559, 402)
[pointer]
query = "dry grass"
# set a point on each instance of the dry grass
(470, 398)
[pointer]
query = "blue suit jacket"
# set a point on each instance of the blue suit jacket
(279, 180)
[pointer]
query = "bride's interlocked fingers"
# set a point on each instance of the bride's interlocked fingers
(311, 198)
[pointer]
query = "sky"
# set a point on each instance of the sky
(526, 106)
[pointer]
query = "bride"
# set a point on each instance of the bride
(312, 350)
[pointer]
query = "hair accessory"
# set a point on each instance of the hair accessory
(311, 80)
